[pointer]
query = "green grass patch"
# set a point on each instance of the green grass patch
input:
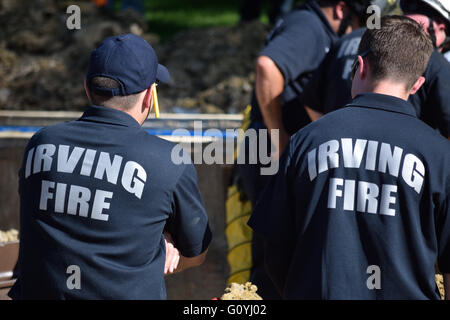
(167, 17)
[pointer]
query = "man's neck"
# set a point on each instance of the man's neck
(137, 115)
(389, 88)
(134, 113)
(328, 12)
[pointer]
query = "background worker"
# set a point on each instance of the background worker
(294, 49)
(97, 194)
(360, 206)
(330, 86)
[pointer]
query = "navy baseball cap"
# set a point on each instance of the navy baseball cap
(127, 59)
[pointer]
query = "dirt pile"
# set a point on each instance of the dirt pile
(42, 63)
(440, 285)
(212, 69)
(10, 235)
(236, 291)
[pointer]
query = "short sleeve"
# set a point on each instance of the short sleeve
(188, 223)
(296, 46)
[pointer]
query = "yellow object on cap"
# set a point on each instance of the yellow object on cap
(155, 101)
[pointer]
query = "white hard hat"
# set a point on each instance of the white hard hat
(440, 6)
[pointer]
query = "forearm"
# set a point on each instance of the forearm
(269, 88)
(175, 262)
(186, 263)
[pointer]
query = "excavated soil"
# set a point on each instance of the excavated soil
(236, 291)
(42, 63)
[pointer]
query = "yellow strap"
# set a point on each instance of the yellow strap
(155, 101)
(238, 233)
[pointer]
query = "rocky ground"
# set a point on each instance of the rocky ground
(237, 291)
(42, 63)
(10, 235)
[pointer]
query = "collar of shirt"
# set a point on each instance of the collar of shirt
(314, 6)
(110, 116)
(383, 102)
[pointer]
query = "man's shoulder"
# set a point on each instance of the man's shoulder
(304, 13)
(434, 139)
(150, 141)
(303, 20)
(170, 155)
(327, 123)
(315, 132)
(49, 133)
(139, 141)
(156, 142)
(345, 119)
(437, 66)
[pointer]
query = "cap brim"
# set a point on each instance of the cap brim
(162, 74)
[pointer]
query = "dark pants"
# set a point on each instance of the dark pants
(253, 183)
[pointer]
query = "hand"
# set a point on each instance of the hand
(172, 254)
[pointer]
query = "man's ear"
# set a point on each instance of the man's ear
(417, 85)
(340, 10)
(86, 90)
(363, 69)
(148, 98)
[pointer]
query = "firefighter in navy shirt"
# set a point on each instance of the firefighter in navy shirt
(329, 88)
(360, 206)
(98, 194)
(294, 49)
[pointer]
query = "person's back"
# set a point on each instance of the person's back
(98, 193)
(359, 208)
(294, 48)
(369, 199)
(304, 33)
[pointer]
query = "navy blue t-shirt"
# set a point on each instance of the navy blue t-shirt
(330, 87)
(96, 195)
(297, 45)
(359, 209)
